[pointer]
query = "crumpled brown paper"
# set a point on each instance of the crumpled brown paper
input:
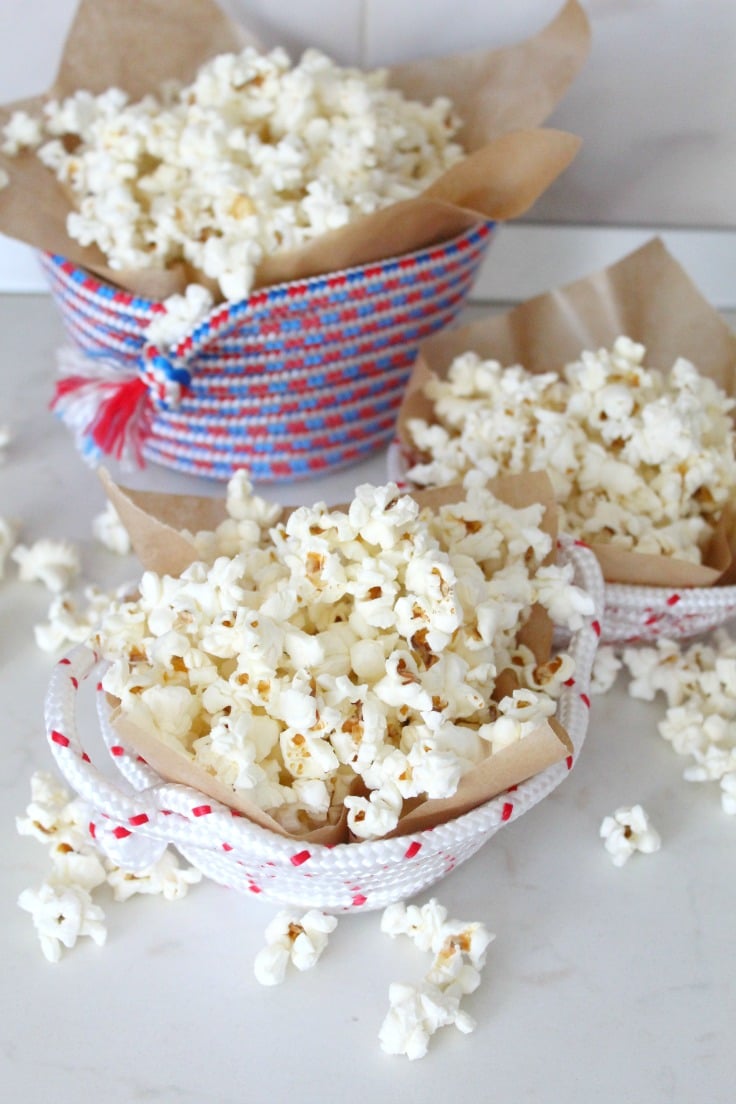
(155, 523)
(502, 95)
(648, 297)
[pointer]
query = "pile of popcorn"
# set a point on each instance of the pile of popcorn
(340, 648)
(62, 908)
(254, 157)
(638, 458)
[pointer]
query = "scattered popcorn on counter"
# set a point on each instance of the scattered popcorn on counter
(699, 686)
(340, 644)
(6, 436)
(606, 667)
(62, 908)
(254, 157)
(627, 831)
(110, 531)
(293, 938)
(70, 623)
(459, 950)
(52, 562)
(8, 534)
(638, 458)
(728, 793)
(415, 1014)
(61, 915)
(166, 877)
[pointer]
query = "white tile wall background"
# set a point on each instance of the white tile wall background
(654, 106)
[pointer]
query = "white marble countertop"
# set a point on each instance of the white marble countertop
(603, 984)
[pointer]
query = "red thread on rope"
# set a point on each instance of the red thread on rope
(60, 739)
(507, 811)
(300, 857)
(115, 414)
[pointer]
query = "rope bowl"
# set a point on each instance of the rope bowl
(135, 814)
(298, 379)
(633, 614)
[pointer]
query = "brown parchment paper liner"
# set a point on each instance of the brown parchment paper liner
(502, 95)
(155, 523)
(647, 296)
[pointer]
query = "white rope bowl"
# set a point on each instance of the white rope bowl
(634, 614)
(135, 814)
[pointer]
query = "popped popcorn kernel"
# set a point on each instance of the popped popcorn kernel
(110, 531)
(52, 562)
(627, 831)
(166, 876)
(61, 915)
(290, 938)
(8, 533)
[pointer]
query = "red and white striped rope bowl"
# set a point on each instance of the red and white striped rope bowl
(135, 814)
(634, 614)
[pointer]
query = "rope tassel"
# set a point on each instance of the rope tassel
(109, 407)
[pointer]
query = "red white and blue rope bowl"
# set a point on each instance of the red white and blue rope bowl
(135, 814)
(299, 379)
(632, 614)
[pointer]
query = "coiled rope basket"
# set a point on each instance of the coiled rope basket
(298, 379)
(136, 814)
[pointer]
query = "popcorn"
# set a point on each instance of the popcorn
(61, 915)
(416, 1012)
(68, 623)
(699, 686)
(165, 876)
(7, 542)
(342, 660)
(253, 157)
(54, 816)
(6, 436)
(300, 940)
(51, 562)
(20, 132)
(110, 531)
(606, 667)
(728, 793)
(180, 315)
(638, 458)
(627, 831)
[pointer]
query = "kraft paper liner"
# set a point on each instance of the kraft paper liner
(154, 522)
(647, 296)
(112, 43)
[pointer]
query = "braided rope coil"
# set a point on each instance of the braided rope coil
(135, 814)
(636, 614)
(298, 379)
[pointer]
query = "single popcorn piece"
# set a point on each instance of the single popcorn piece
(6, 436)
(8, 533)
(166, 877)
(254, 157)
(627, 831)
(639, 458)
(728, 793)
(415, 1014)
(300, 940)
(110, 531)
(180, 315)
(52, 562)
(606, 667)
(54, 816)
(62, 914)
